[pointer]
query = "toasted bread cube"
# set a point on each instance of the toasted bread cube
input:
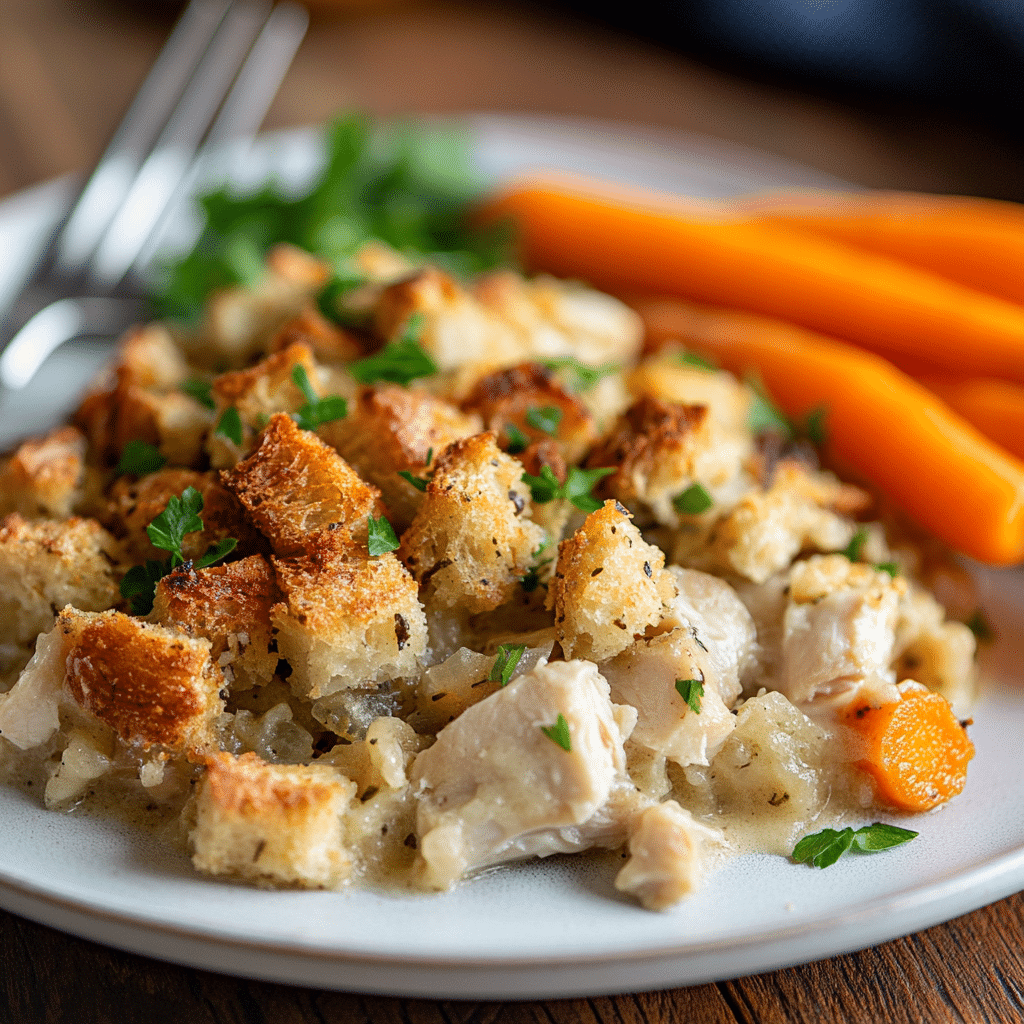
(152, 685)
(293, 486)
(347, 620)
(273, 824)
(230, 606)
(661, 449)
(609, 586)
(239, 322)
(176, 424)
(515, 395)
(256, 393)
(391, 429)
(44, 476)
(134, 504)
(472, 540)
(45, 565)
(148, 357)
(327, 342)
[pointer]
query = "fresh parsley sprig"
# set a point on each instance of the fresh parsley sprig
(826, 847)
(399, 362)
(419, 482)
(544, 418)
(505, 663)
(577, 487)
(139, 458)
(316, 410)
(200, 390)
(692, 691)
(167, 532)
(583, 376)
(559, 733)
(517, 440)
(230, 425)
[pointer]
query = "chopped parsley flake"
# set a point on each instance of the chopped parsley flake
(694, 500)
(399, 362)
(857, 541)
(505, 663)
(381, 537)
(764, 417)
(517, 440)
(230, 425)
(316, 410)
(584, 377)
(826, 847)
(546, 418)
(691, 690)
(139, 458)
(815, 426)
(892, 568)
(200, 390)
(559, 733)
(531, 580)
(697, 362)
(576, 489)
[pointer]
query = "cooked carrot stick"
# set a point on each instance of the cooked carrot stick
(995, 407)
(630, 241)
(917, 751)
(880, 423)
(978, 242)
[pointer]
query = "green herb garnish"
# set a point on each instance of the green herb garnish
(517, 440)
(764, 417)
(892, 568)
(857, 541)
(577, 487)
(697, 362)
(316, 410)
(399, 362)
(381, 536)
(505, 663)
(559, 733)
(692, 691)
(980, 627)
(584, 377)
(531, 580)
(826, 847)
(407, 186)
(200, 390)
(694, 500)
(167, 532)
(815, 426)
(546, 418)
(139, 458)
(230, 425)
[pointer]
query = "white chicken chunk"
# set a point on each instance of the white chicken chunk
(668, 854)
(529, 771)
(839, 628)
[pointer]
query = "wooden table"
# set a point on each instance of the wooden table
(67, 70)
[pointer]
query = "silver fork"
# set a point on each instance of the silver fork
(211, 85)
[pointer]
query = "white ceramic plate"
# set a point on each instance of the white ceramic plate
(555, 928)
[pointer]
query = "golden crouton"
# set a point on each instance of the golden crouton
(767, 529)
(230, 606)
(609, 586)
(239, 322)
(44, 476)
(347, 620)
(660, 450)
(390, 429)
(45, 565)
(150, 684)
(256, 393)
(293, 486)
(472, 540)
(519, 394)
(275, 824)
(133, 504)
(148, 357)
(327, 342)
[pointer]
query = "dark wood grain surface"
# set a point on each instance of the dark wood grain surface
(67, 70)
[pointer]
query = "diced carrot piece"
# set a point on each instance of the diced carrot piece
(917, 750)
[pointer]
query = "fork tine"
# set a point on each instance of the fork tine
(165, 167)
(132, 140)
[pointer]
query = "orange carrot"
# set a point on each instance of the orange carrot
(630, 241)
(917, 752)
(995, 407)
(978, 242)
(880, 423)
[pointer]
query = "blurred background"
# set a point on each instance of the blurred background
(895, 93)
